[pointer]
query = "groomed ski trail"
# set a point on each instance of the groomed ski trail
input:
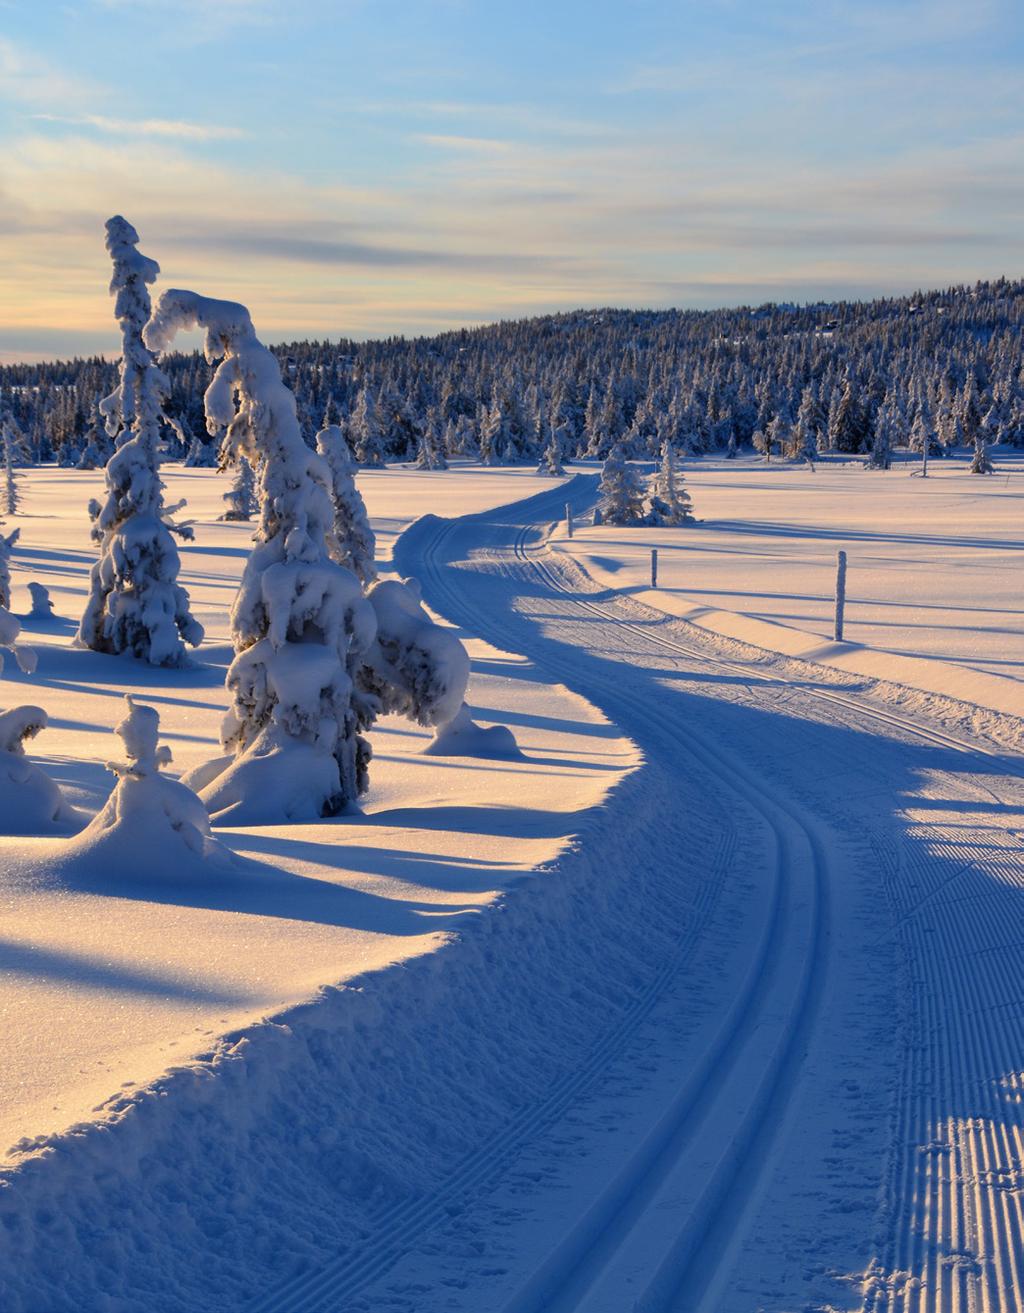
(679, 1224)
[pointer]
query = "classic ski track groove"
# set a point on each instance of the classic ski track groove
(690, 1263)
(958, 1242)
(399, 1226)
(964, 1218)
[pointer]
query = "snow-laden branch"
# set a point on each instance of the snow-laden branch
(300, 623)
(135, 603)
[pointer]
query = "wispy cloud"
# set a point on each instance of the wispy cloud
(175, 129)
(463, 169)
(26, 78)
(470, 145)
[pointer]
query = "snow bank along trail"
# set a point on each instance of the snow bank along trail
(840, 1124)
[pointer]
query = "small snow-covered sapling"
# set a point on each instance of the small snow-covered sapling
(152, 826)
(42, 607)
(139, 731)
(30, 802)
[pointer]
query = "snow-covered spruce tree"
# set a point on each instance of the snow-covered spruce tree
(97, 444)
(551, 461)
(351, 542)
(10, 628)
(241, 496)
(316, 662)
(367, 432)
(808, 422)
(779, 432)
(492, 432)
(300, 623)
(30, 802)
(888, 429)
(981, 464)
(135, 602)
(669, 502)
(149, 814)
(200, 455)
(41, 607)
(414, 668)
(11, 493)
(430, 450)
(621, 490)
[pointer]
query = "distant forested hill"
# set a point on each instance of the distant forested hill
(943, 366)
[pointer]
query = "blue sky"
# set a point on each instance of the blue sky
(367, 168)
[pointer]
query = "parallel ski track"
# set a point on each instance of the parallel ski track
(691, 1265)
(956, 1192)
(931, 735)
(956, 1196)
(395, 1231)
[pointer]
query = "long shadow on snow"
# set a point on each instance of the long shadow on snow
(955, 893)
(259, 889)
(86, 972)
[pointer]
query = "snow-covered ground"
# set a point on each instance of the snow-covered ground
(105, 986)
(751, 1042)
(934, 565)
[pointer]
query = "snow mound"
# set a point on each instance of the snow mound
(151, 828)
(463, 737)
(275, 780)
(30, 802)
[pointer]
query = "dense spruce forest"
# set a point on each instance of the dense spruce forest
(943, 368)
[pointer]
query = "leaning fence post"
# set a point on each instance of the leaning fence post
(568, 518)
(654, 567)
(840, 593)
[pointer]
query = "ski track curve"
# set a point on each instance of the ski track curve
(950, 1227)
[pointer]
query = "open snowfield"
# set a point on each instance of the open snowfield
(934, 565)
(104, 987)
(752, 1040)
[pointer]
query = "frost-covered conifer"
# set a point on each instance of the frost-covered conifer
(367, 432)
(41, 607)
(200, 455)
(415, 668)
(670, 502)
(621, 490)
(352, 542)
(30, 801)
(97, 444)
(762, 442)
(922, 431)
(551, 461)
(11, 492)
(492, 435)
(241, 496)
(888, 430)
(300, 623)
(981, 464)
(10, 628)
(430, 451)
(808, 422)
(135, 603)
(968, 409)
(779, 432)
(151, 827)
(880, 456)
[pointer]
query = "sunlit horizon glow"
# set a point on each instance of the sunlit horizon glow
(348, 171)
